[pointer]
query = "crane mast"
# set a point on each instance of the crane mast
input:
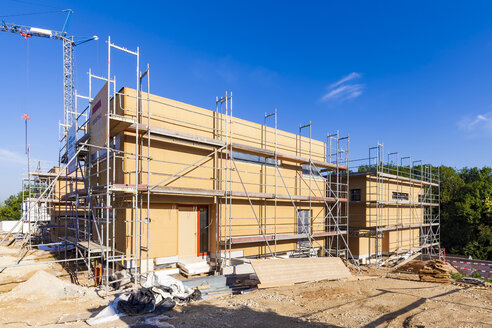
(68, 59)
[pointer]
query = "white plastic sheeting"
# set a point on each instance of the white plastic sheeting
(111, 313)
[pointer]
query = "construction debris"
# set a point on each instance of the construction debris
(194, 266)
(474, 281)
(224, 284)
(283, 272)
(405, 259)
(412, 267)
(147, 300)
(435, 271)
(160, 293)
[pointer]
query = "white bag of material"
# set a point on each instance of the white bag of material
(109, 313)
(162, 280)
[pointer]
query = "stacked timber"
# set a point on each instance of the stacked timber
(435, 271)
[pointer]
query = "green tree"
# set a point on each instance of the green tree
(466, 211)
(11, 208)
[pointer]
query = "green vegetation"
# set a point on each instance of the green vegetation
(466, 211)
(456, 276)
(10, 209)
(475, 274)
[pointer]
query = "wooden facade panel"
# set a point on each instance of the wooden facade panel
(174, 115)
(397, 215)
(180, 161)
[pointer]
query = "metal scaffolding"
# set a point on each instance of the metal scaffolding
(90, 189)
(401, 196)
(315, 181)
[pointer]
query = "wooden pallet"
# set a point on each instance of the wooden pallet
(194, 275)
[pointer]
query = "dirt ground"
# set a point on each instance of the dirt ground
(386, 300)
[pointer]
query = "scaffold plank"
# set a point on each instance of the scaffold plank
(86, 245)
(280, 237)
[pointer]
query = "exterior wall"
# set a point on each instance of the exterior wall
(388, 186)
(169, 158)
(181, 117)
(392, 214)
(406, 239)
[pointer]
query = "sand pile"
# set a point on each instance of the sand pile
(8, 251)
(43, 285)
(19, 271)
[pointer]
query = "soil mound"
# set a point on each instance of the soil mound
(43, 285)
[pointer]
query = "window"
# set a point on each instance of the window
(253, 158)
(312, 171)
(355, 195)
(421, 198)
(400, 195)
(304, 227)
(204, 224)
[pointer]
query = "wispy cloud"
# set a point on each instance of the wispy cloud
(344, 89)
(12, 157)
(224, 69)
(263, 76)
(480, 124)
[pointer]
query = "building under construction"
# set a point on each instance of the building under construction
(145, 180)
(394, 206)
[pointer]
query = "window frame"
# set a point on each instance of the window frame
(399, 195)
(254, 159)
(306, 172)
(352, 195)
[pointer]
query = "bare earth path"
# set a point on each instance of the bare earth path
(380, 302)
(383, 300)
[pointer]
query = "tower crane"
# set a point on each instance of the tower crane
(69, 44)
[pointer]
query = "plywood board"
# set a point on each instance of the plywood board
(187, 228)
(98, 118)
(281, 272)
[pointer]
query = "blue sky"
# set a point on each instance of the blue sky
(415, 75)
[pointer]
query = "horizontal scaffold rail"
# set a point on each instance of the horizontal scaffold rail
(85, 244)
(120, 123)
(219, 193)
(393, 203)
(280, 237)
(44, 200)
(396, 177)
(394, 227)
(200, 192)
(429, 245)
(54, 175)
